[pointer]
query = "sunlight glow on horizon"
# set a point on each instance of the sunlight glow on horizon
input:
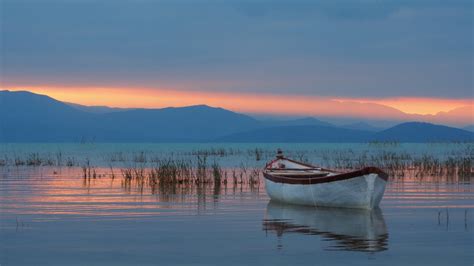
(252, 103)
(412, 105)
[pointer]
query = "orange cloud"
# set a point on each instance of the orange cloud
(255, 103)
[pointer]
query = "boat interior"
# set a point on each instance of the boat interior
(289, 168)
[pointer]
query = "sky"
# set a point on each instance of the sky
(274, 57)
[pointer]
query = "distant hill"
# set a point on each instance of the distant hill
(97, 109)
(192, 123)
(29, 117)
(299, 134)
(362, 126)
(306, 121)
(405, 132)
(469, 128)
(423, 132)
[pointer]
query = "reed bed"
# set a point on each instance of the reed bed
(180, 171)
(170, 177)
(36, 159)
(402, 163)
(205, 165)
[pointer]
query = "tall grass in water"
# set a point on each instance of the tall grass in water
(33, 159)
(401, 164)
(388, 156)
(88, 171)
(216, 172)
(170, 176)
(201, 168)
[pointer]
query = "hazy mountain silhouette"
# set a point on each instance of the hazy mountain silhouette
(469, 128)
(362, 126)
(300, 134)
(405, 132)
(97, 109)
(29, 117)
(306, 121)
(193, 123)
(423, 132)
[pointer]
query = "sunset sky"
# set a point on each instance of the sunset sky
(366, 59)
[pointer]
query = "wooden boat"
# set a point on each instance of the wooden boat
(341, 229)
(300, 183)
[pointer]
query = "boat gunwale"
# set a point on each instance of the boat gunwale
(308, 180)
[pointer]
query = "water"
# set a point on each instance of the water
(51, 215)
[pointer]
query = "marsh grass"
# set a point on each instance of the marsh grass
(194, 167)
(36, 159)
(89, 171)
(400, 164)
(179, 175)
(117, 157)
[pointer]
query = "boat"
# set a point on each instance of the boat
(294, 182)
(340, 229)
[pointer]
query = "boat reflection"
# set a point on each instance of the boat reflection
(344, 229)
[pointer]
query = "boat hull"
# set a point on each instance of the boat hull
(364, 192)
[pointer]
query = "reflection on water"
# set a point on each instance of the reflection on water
(345, 229)
(64, 191)
(115, 221)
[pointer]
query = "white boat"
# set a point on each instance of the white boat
(342, 229)
(294, 182)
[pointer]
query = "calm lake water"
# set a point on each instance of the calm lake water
(51, 215)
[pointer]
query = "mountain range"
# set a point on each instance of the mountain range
(29, 117)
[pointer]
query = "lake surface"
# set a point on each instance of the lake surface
(52, 215)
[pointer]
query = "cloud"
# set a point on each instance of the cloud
(321, 48)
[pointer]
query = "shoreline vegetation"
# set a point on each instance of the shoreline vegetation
(211, 165)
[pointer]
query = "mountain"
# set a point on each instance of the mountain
(97, 109)
(29, 117)
(469, 128)
(299, 134)
(405, 132)
(423, 132)
(464, 113)
(362, 126)
(192, 123)
(306, 121)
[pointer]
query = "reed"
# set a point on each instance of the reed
(59, 158)
(177, 175)
(221, 152)
(216, 172)
(127, 173)
(258, 154)
(193, 166)
(70, 162)
(86, 169)
(33, 159)
(201, 169)
(117, 157)
(140, 157)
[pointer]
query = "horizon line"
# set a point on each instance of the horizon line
(454, 111)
